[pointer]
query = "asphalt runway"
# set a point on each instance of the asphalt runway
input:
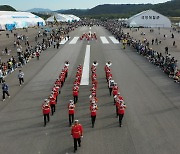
(151, 123)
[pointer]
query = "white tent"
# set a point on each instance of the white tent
(75, 18)
(4, 22)
(13, 19)
(133, 24)
(149, 18)
(56, 17)
(63, 18)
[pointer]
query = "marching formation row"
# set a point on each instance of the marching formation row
(88, 36)
(49, 104)
(93, 97)
(71, 105)
(113, 89)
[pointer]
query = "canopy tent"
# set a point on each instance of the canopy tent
(133, 24)
(57, 18)
(75, 18)
(62, 18)
(12, 19)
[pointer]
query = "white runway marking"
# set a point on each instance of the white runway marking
(114, 40)
(64, 41)
(85, 73)
(104, 40)
(74, 40)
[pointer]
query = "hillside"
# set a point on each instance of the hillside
(118, 9)
(170, 8)
(6, 8)
(78, 12)
(42, 15)
(39, 10)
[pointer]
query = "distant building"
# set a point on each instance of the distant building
(63, 18)
(10, 20)
(149, 18)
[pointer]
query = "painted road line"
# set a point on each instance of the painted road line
(64, 41)
(104, 40)
(74, 40)
(115, 41)
(85, 73)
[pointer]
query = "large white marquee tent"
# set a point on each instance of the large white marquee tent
(11, 19)
(63, 18)
(75, 18)
(149, 18)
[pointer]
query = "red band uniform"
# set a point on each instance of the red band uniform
(77, 133)
(46, 110)
(71, 108)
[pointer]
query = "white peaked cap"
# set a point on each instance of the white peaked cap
(108, 64)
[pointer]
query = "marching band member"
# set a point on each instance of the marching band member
(93, 98)
(77, 134)
(94, 65)
(46, 110)
(95, 83)
(115, 89)
(56, 91)
(117, 102)
(66, 65)
(93, 109)
(62, 78)
(71, 108)
(110, 85)
(52, 102)
(93, 91)
(121, 111)
(75, 93)
(58, 84)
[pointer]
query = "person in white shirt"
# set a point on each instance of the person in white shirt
(1, 76)
(21, 77)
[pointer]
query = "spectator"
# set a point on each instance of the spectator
(1, 76)
(166, 50)
(21, 77)
(5, 90)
